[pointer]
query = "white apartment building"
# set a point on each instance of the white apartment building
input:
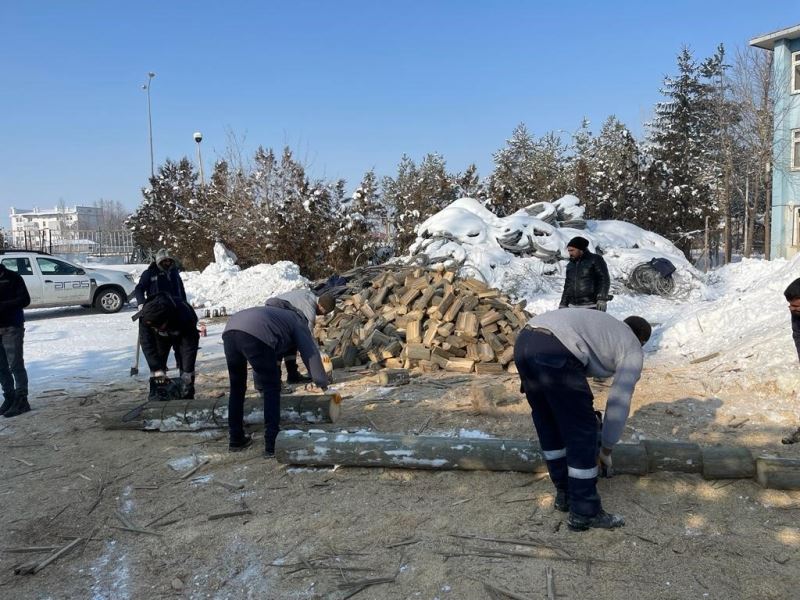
(58, 222)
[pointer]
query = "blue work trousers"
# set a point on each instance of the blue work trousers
(563, 415)
(242, 348)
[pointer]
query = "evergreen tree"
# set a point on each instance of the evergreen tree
(528, 170)
(684, 165)
(415, 194)
(614, 185)
(167, 217)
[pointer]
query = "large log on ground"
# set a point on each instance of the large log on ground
(727, 462)
(778, 473)
(682, 457)
(206, 413)
(427, 452)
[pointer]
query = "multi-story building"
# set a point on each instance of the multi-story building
(32, 227)
(785, 231)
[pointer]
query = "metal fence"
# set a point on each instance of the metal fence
(92, 243)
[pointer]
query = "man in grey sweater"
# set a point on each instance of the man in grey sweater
(554, 354)
(310, 306)
(260, 336)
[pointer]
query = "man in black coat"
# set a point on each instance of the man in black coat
(13, 376)
(165, 324)
(161, 276)
(587, 282)
(792, 295)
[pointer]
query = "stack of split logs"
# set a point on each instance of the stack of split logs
(425, 319)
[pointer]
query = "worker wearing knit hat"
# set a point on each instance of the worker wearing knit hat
(581, 243)
(587, 281)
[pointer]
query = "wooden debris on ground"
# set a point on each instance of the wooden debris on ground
(401, 317)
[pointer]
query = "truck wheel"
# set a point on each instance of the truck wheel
(109, 301)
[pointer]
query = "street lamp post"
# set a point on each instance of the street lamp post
(198, 137)
(146, 87)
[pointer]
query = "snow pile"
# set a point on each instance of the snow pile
(745, 320)
(223, 283)
(520, 253)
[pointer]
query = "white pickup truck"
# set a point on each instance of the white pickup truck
(54, 282)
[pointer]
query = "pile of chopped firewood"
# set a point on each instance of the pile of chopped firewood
(426, 319)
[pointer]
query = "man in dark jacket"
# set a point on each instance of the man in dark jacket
(13, 376)
(792, 295)
(587, 282)
(165, 324)
(161, 276)
(260, 336)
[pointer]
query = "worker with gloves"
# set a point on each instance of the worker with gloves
(161, 276)
(165, 324)
(587, 282)
(309, 306)
(554, 354)
(260, 336)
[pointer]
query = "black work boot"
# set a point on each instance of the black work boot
(601, 520)
(19, 406)
(7, 402)
(270, 434)
(242, 444)
(293, 375)
(561, 503)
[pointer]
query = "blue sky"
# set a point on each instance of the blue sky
(349, 85)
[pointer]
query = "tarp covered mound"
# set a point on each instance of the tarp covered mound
(525, 253)
(223, 283)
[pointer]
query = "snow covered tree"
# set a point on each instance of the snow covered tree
(469, 184)
(167, 217)
(528, 170)
(684, 164)
(613, 181)
(415, 194)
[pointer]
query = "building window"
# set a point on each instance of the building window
(795, 150)
(796, 72)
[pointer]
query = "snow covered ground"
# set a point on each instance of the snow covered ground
(68, 348)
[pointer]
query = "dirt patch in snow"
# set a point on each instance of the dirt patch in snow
(314, 533)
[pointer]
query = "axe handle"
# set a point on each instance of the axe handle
(138, 347)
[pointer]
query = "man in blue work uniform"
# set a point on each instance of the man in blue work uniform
(554, 354)
(260, 336)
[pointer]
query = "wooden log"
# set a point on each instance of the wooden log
(460, 365)
(408, 451)
(393, 377)
(409, 297)
(380, 297)
(778, 473)
(417, 352)
(486, 354)
(475, 285)
(488, 368)
(470, 302)
(430, 333)
(392, 350)
(440, 357)
(491, 317)
(394, 363)
(467, 324)
(497, 346)
(414, 331)
(720, 462)
(682, 457)
(444, 305)
(507, 356)
(456, 341)
(445, 330)
(206, 413)
(429, 452)
(453, 311)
